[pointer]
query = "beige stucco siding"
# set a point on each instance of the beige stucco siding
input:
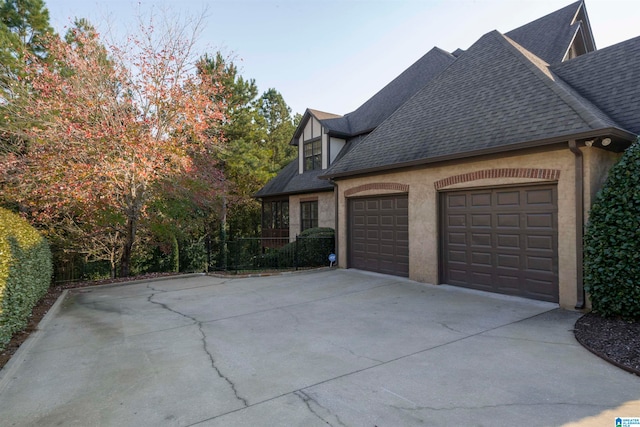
(423, 205)
(597, 163)
(326, 211)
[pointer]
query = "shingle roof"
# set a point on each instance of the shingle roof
(494, 95)
(289, 181)
(388, 99)
(610, 78)
(549, 37)
(360, 121)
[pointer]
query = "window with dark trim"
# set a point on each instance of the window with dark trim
(275, 214)
(313, 154)
(309, 215)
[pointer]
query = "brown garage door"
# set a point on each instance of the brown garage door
(502, 240)
(379, 234)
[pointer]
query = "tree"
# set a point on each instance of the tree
(279, 126)
(612, 241)
(113, 126)
(257, 133)
(24, 27)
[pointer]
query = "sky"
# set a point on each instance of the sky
(333, 55)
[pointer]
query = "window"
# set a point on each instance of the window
(313, 155)
(275, 214)
(309, 213)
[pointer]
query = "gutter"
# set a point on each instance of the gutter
(611, 132)
(579, 180)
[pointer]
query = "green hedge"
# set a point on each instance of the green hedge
(25, 272)
(612, 242)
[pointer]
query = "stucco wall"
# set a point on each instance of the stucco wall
(423, 206)
(597, 163)
(326, 211)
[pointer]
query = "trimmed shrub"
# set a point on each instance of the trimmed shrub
(612, 241)
(314, 246)
(25, 272)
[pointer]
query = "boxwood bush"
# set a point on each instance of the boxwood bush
(25, 272)
(612, 241)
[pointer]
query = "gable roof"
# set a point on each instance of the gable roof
(389, 98)
(550, 37)
(384, 102)
(495, 97)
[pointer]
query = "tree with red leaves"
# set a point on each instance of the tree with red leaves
(109, 130)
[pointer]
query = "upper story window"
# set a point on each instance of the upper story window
(313, 154)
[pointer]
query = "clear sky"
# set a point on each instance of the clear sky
(332, 55)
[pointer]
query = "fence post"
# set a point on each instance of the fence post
(295, 256)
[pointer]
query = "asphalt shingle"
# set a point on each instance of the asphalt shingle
(610, 79)
(494, 95)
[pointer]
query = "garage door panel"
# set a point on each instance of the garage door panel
(510, 220)
(387, 220)
(508, 198)
(508, 261)
(483, 280)
(540, 197)
(457, 220)
(402, 236)
(539, 263)
(481, 200)
(502, 240)
(508, 241)
(457, 201)
(481, 220)
(540, 242)
(457, 238)
(540, 220)
(481, 239)
(382, 232)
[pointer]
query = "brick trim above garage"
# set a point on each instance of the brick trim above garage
(393, 186)
(546, 174)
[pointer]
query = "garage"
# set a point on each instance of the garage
(502, 240)
(379, 234)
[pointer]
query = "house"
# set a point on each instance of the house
(480, 174)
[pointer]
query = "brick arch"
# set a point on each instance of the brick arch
(402, 188)
(547, 174)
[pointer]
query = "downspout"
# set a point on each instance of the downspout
(579, 181)
(336, 221)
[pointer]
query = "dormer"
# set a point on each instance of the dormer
(558, 36)
(318, 140)
(583, 41)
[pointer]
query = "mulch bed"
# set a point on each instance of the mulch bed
(614, 340)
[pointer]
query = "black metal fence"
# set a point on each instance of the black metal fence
(259, 253)
(245, 254)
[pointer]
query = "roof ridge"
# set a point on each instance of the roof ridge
(542, 70)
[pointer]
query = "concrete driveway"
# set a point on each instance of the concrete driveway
(331, 347)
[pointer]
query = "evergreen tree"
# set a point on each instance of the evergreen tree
(612, 241)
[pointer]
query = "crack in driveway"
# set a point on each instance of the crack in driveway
(204, 346)
(308, 400)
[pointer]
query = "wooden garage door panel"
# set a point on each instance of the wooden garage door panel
(379, 234)
(502, 240)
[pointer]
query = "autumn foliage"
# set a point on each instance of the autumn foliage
(107, 130)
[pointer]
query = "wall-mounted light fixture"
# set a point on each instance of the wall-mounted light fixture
(606, 141)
